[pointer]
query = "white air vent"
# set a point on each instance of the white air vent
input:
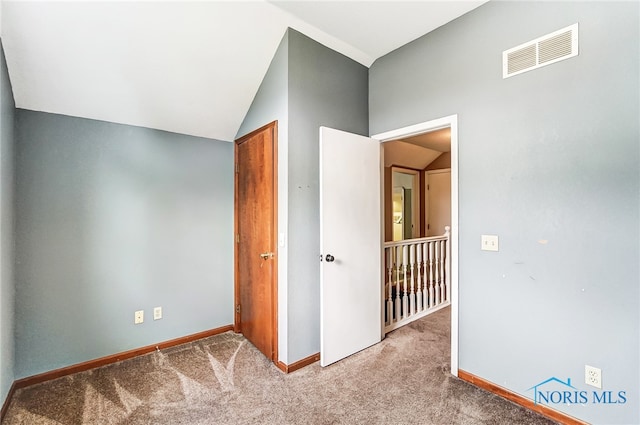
(548, 49)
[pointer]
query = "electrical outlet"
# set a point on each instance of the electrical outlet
(138, 317)
(593, 376)
(157, 313)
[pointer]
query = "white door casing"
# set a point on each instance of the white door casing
(350, 232)
(450, 121)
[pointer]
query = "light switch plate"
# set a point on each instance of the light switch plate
(489, 243)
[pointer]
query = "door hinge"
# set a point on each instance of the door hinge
(427, 187)
(428, 226)
(238, 309)
(237, 168)
(238, 238)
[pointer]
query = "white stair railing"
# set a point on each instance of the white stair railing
(417, 278)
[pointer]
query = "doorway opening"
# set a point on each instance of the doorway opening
(400, 147)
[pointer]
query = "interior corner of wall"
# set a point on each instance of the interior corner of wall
(283, 221)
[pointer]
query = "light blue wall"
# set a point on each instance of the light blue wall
(549, 155)
(111, 219)
(7, 111)
(307, 86)
(325, 89)
(271, 104)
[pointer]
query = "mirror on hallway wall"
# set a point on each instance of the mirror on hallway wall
(405, 200)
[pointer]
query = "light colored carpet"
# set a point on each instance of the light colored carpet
(224, 380)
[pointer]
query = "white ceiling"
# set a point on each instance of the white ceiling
(400, 154)
(419, 151)
(438, 140)
(185, 67)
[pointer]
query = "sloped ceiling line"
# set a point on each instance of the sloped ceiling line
(185, 67)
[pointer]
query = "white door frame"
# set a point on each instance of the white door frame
(425, 127)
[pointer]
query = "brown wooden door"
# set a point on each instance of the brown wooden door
(256, 262)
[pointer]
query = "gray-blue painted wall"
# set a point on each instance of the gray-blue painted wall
(271, 100)
(320, 87)
(549, 155)
(271, 104)
(7, 108)
(111, 219)
(325, 89)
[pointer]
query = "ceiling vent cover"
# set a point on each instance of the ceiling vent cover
(548, 49)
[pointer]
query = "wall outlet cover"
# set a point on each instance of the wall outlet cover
(138, 317)
(593, 376)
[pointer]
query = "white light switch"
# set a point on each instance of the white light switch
(489, 243)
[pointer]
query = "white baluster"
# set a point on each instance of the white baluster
(431, 294)
(438, 277)
(389, 300)
(419, 305)
(425, 275)
(442, 276)
(412, 264)
(405, 298)
(397, 285)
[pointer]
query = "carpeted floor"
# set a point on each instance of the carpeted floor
(224, 380)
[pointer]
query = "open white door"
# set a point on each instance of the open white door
(350, 244)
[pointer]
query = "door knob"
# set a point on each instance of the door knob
(266, 255)
(330, 258)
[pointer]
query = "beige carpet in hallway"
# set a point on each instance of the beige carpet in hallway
(224, 380)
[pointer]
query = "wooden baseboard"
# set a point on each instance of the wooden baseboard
(103, 361)
(518, 399)
(7, 401)
(299, 364)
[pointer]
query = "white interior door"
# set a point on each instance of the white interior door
(350, 244)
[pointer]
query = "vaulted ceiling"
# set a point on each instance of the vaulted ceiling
(186, 67)
(419, 151)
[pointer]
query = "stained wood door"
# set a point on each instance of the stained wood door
(350, 243)
(255, 253)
